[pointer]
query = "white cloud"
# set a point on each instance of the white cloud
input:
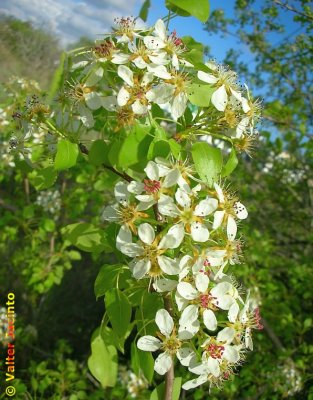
(70, 19)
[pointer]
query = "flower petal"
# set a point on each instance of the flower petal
(219, 98)
(199, 232)
(209, 320)
(206, 207)
(182, 198)
(146, 233)
(219, 193)
(121, 193)
(233, 312)
(171, 178)
(165, 322)
(231, 228)
(213, 366)
(93, 100)
(187, 291)
(218, 219)
(141, 268)
(179, 105)
(139, 108)
(163, 363)
(187, 331)
(126, 74)
(201, 281)
(173, 238)
(164, 285)
(149, 343)
(123, 97)
(193, 383)
(185, 355)
(152, 171)
(124, 236)
(110, 213)
(205, 77)
(231, 354)
(240, 210)
(226, 335)
(189, 315)
(168, 265)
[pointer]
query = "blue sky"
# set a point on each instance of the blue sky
(71, 19)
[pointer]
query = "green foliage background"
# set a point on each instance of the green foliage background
(53, 281)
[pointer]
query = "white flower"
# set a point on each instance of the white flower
(218, 358)
(149, 191)
(221, 296)
(225, 81)
(142, 56)
(169, 342)
(149, 252)
(134, 92)
(189, 214)
(127, 29)
(230, 209)
(243, 321)
(124, 211)
(252, 110)
(171, 44)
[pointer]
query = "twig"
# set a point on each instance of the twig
(8, 206)
(26, 187)
(289, 8)
(123, 175)
(272, 335)
(170, 376)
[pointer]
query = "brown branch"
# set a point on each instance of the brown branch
(272, 335)
(123, 175)
(170, 376)
(290, 8)
(26, 187)
(8, 207)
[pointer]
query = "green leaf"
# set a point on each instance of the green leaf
(143, 13)
(231, 163)
(107, 278)
(160, 148)
(159, 391)
(208, 161)
(142, 360)
(119, 311)
(145, 314)
(98, 153)
(199, 9)
(199, 94)
(175, 148)
(132, 152)
(57, 78)
(103, 360)
(43, 178)
(194, 53)
(66, 155)
(86, 237)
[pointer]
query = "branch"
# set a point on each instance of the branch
(272, 335)
(170, 376)
(290, 8)
(8, 207)
(123, 175)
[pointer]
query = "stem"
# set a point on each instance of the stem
(170, 376)
(123, 175)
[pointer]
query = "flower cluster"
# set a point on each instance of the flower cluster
(181, 235)
(134, 68)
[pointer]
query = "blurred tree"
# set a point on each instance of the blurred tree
(277, 185)
(27, 51)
